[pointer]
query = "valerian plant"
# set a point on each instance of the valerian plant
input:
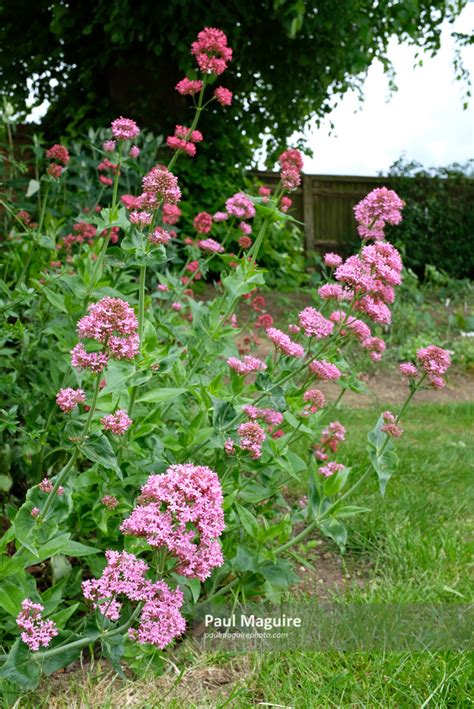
(149, 447)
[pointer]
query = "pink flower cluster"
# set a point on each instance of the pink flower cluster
(111, 322)
(332, 260)
(380, 207)
(211, 51)
(203, 223)
(390, 425)
(61, 155)
(36, 632)
(325, 370)
(181, 510)
(314, 324)
(247, 365)
(315, 400)
(435, 362)
(409, 370)
(251, 437)
(124, 129)
(67, 399)
(188, 87)
(124, 576)
(239, 205)
(47, 486)
(118, 423)
(284, 343)
(162, 184)
(330, 469)
(184, 139)
(291, 162)
(160, 236)
(211, 245)
(223, 96)
(331, 437)
(270, 416)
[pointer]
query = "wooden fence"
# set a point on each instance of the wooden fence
(324, 204)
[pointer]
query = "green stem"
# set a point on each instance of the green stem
(26, 267)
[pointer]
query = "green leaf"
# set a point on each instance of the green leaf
(334, 484)
(351, 511)
(335, 530)
(223, 413)
(384, 465)
(249, 521)
(245, 560)
(62, 617)
(56, 299)
(5, 483)
(98, 449)
(19, 668)
(157, 395)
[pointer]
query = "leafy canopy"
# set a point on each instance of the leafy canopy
(94, 60)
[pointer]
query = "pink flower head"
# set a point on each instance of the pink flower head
(109, 501)
(264, 321)
(188, 87)
(333, 435)
(229, 446)
(140, 218)
(109, 316)
(211, 51)
(96, 362)
(118, 423)
(177, 306)
(239, 205)
(124, 575)
(36, 632)
(109, 146)
(163, 287)
(130, 202)
(107, 181)
(124, 129)
(315, 398)
(163, 184)
(291, 162)
(68, 399)
(390, 425)
(24, 216)
(223, 96)
(314, 324)
(203, 223)
(211, 245)
(270, 416)
(54, 170)
(325, 370)
(334, 291)
(47, 486)
(285, 204)
(284, 343)
(245, 242)
(332, 260)
(330, 469)
(408, 369)
(160, 619)
(181, 510)
(58, 153)
(251, 436)
(264, 191)
(435, 362)
(35, 512)
(171, 214)
(247, 365)
(381, 206)
(134, 151)
(375, 309)
(220, 217)
(375, 347)
(160, 236)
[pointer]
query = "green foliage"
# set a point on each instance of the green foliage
(438, 220)
(94, 61)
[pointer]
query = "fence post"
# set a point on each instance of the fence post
(308, 213)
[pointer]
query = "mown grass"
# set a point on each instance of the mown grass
(416, 539)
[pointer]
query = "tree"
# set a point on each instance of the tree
(94, 60)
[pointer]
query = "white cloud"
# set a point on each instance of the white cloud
(424, 119)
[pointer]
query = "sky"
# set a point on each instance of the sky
(424, 120)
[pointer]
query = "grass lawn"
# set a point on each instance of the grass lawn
(413, 547)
